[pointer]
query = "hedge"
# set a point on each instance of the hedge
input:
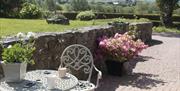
(73, 15)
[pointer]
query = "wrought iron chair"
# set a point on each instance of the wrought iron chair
(79, 57)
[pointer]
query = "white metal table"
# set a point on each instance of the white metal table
(36, 81)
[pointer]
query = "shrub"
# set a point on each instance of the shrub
(79, 5)
(10, 8)
(127, 10)
(133, 20)
(67, 7)
(121, 47)
(59, 16)
(46, 14)
(164, 29)
(30, 11)
(86, 15)
(108, 9)
(22, 51)
(50, 5)
(97, 8)
(59, 7)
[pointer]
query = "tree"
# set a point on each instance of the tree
(10, 8)
(51, 5)
(80, 5)
(166, 7)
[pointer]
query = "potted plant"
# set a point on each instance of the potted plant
(119, 49)
(15, 57)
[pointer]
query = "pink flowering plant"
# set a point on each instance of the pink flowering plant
(121, 47)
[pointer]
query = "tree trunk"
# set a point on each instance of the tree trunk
(166, 14)
(166, 7)
(166, 19)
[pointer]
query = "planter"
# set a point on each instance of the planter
(14, 72)
(115, 68)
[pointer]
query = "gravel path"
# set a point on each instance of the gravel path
(157, 69)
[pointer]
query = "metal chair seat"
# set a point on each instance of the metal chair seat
(84, 86)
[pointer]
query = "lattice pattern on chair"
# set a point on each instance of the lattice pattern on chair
(79, 57)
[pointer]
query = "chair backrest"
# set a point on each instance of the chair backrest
(78, 57)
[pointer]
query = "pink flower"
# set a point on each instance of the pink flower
(117, 35)
(121, 46)
(133, 49)
(102, 44)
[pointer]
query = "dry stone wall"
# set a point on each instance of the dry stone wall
(144, 30)
(49, 46)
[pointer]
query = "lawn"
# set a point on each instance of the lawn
(164, 29)
(13, 26)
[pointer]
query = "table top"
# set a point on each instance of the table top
(38, 77)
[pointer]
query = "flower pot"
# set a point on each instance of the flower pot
(115, 68)
(14, 72)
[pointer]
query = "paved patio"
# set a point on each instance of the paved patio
(157, 68)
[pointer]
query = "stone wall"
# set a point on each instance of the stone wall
(49, 46)
(144, 30)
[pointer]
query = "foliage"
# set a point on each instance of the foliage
(166, 7)
(1, 44)
(86, 15)
(177, 11)
(121, 47)
(20, 51)
(97, 8)
(59, 7)
(140, 8)
(59, 16)
(10, 8)
(30, 11)
(79, 5)
(67, 7)
(132, 20)
(105, 8)
(50, 4)
(164, 29)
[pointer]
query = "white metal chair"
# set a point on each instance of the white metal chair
(79, 57)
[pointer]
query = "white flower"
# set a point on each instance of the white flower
(20, 35)
(30, 35)
(9, 46)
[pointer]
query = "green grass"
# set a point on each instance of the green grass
(13, 26)
(132, 20)
(163, 29)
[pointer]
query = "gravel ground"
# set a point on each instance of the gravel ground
(157, 68)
